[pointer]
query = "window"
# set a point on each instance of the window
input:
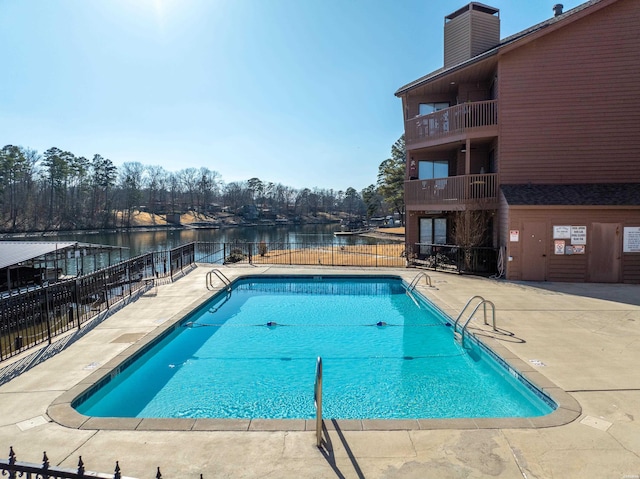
(426, 108)
(433, 230)
(435, 124)
(427, 170)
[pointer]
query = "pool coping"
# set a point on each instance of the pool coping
(61, 410)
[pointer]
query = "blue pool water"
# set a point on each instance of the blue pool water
(252, 354)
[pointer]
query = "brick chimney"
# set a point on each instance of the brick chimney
(469, 31)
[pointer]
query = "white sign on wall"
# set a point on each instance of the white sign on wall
(631, 239)
(561, 232)
(578, 235)
(514, 235)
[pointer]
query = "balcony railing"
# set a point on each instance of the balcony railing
(451, 121)
(453, 190)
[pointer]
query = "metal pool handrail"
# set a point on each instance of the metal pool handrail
(317, 393)
(221, 277)
(455, 323)
(483, 302)
(414, 281)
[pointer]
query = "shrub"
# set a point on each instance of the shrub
(235, 256)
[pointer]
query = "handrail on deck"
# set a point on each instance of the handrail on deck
(414, 281)
(220, 275)
(317, 393)
(483, 302)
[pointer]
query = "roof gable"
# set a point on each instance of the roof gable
(513, 41)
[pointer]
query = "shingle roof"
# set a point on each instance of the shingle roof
(596, 194)
(492, 51)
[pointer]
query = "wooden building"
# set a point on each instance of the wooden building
(533, 139)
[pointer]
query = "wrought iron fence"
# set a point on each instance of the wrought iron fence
(476, 260)
(30, 318)
(325, 254)
(13, 469)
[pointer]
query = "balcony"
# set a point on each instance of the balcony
(453, 123)
(453, 193)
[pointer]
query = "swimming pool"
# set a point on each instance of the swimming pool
(251, 353)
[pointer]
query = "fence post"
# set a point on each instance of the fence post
(47, 309)
(106, 289)
(376, 255)
(77, 300)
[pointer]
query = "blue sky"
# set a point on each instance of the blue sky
(298, 92)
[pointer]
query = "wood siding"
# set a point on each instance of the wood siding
(453, 193)
(574, 267)
(469, 34)
(453, 123)
(569, 102)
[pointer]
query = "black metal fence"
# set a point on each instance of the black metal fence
(476, 260)
(325, 254)
(13, 469)
(30, 318)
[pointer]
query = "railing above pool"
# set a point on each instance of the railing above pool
(317, 393)
(324, 254)
(221, 276)
(481, 302)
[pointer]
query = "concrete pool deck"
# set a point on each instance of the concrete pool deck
(582, 340)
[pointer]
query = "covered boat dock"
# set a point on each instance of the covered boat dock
(27, 264)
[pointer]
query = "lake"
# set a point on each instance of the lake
(139, 242)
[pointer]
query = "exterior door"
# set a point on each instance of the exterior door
(604, 253)
(534, 252)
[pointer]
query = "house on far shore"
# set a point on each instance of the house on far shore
(531, 144)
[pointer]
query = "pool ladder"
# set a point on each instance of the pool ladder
(317, 393)
(482, 302)
(414, 283)
(419, 276)
(220, 275)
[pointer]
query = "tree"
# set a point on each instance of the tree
(16, 180)
(76, 211)
(131, 185)
(58, 166)
(257, 190)
(189, 178)
(372, 201)
(352, 201)
(207, 187)
(391, 174)
(103, 179)
(155, 182)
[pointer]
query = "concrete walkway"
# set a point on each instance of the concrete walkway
(582, 338)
